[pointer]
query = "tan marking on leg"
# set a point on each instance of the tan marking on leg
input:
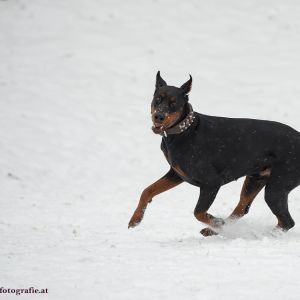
(208, 232)
(279, 224)
(158, 187)
(251, 188)
(209, 219)
(265, 172)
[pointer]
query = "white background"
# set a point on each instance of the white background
(76, 149)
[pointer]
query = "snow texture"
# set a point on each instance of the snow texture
(76, 149)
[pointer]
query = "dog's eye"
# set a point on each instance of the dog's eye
(158, 100)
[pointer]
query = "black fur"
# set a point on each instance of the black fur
(217, 150)
(214, 151)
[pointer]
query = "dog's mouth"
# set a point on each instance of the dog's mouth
(158, 128)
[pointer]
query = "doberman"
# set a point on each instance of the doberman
(208, 152)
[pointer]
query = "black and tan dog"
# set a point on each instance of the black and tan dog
(209, 152)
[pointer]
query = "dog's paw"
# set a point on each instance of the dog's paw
(208, 232)
(136, 219)
(217, 222)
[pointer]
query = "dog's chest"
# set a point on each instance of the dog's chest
(180, 159)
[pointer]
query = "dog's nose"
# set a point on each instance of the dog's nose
(158, 117)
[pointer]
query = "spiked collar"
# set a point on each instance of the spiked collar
(181, 126)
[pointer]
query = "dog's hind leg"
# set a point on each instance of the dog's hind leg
(251, 187)
(276, 196)
(170, 180)
(206, 198)
(278, 203)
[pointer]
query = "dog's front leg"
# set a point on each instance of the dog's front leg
(170, 180)
(206, 198)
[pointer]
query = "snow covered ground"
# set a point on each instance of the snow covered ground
(76, 149)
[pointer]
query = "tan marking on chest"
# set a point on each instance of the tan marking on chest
(179, 171)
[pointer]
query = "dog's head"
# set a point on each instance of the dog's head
(169, 104)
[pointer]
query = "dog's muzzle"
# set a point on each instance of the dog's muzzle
(158, 128)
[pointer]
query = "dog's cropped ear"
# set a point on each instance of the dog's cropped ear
(186, 87)
(159, 81)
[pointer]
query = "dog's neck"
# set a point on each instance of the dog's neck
(183, 123)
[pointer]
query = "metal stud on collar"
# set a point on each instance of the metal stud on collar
(185, 124)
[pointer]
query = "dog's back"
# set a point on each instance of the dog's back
(248, 143)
